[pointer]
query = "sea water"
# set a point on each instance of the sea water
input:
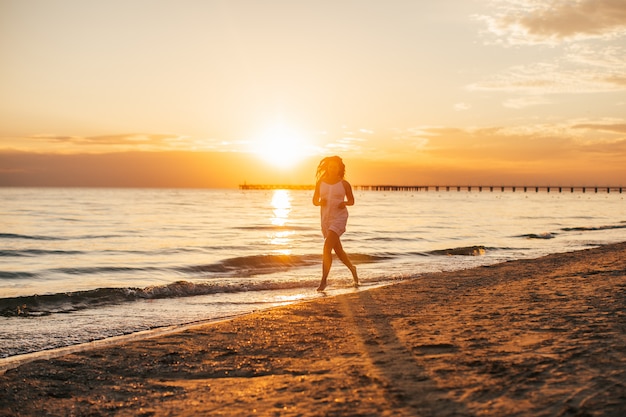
(78, 265)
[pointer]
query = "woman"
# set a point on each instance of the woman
(333, 194)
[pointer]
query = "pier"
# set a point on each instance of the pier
(448, 188)
(492, 188)
(276, 187)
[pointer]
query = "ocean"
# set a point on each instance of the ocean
(83, 265)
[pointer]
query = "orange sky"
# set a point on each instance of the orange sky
(213, 93)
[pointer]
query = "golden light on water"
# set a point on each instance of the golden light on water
(281, 208)
(281, 203)
(290, 298)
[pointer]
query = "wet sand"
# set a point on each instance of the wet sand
(542, 337)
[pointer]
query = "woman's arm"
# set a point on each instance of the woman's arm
(316, 195)
(349, 195)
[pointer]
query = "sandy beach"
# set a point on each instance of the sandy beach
(542, 337)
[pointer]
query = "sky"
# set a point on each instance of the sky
(210, 93)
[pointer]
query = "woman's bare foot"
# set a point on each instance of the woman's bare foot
(322, 286)
(355, 277)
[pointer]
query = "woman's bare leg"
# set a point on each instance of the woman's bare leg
(343, 256)
(331, 243)
(327, 258)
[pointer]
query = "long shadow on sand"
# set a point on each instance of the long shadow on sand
(406, 383)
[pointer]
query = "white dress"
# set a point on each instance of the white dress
(333, 217)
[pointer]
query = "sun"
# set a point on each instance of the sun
(281, 146)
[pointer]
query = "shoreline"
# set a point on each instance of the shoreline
(12, 362)
(541, 336)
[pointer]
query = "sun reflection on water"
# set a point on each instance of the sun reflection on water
(290, 298)
(281, 204)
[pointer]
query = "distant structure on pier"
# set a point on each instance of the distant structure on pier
(468, 188)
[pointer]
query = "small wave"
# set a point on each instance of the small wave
(266, 264)
(29, 237)
(88, 237)
(16, 275)
(254, 264)
(268, 261)
(414, 253)
(464, 251)
(44, 305)
(362, 258)
(392, 239)
(588, 229)
(41, 305)
(247, 266)
(101, 270)
(545, 235)
(36, 252)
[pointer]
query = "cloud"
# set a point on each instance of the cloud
(462, 106)
(133, 140)
(523, 102)
(533, 79)
(551, 22)
(581, 69)
(496, 145)
(614, 149)
(352, 144)
(595, 54)
(586, 40)
(602, 127)
(346, 140)
(568, 19)
(571, 142)
(540, 154)
(617, 79)
(411, 139)
(112, 143)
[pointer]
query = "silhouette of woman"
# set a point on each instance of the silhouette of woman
(333, 194)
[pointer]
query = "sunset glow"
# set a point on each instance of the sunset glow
(281, 146)
(522, 91)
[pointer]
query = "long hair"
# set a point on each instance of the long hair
(322, 168)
